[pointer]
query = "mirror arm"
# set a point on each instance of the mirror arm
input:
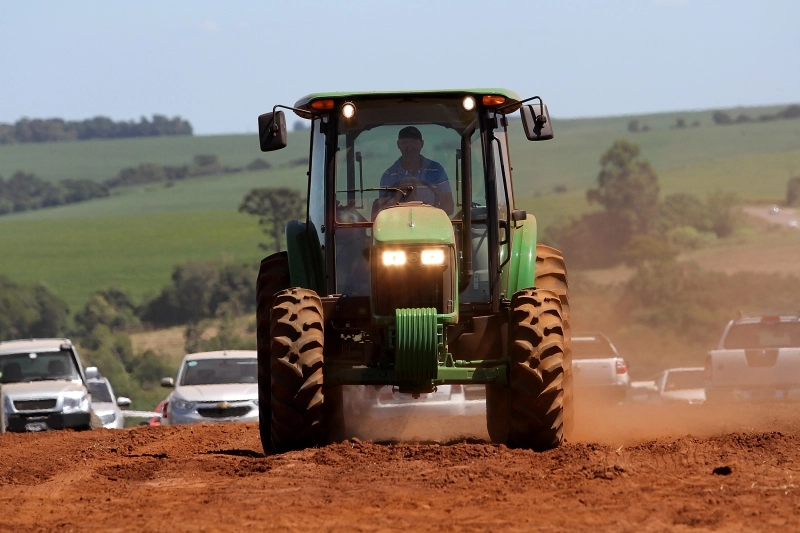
(540, 118)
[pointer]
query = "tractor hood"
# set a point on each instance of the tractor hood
(412, 223)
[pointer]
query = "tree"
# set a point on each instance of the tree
(721, 118)
(274, 208)
(793, 191)
(111, 307)
(627, 186)
(724, 211)
(29, 312)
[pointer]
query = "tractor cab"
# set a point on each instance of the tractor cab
(411, 256)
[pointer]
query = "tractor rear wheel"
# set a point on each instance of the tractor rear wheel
(536, 370)
(273, 277)
(551, 273)
(301, 417)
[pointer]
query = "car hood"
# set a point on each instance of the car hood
(227, 392)
(40, 389)
(686, 395)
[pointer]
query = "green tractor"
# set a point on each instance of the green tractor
(413, 269)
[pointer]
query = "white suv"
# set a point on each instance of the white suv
(44, 386)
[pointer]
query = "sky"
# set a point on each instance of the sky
(220, 64)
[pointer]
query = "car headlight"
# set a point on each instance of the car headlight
(108, 419)
(395, 258)
(432, 257)
(7, 405)
(182, 405)
(75, 402)
(255, 402)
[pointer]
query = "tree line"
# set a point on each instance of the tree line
(721, 118)
(28, 130)
(25, 191)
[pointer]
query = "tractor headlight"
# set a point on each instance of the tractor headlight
(432, 257)
(75, 402)
(394, 258)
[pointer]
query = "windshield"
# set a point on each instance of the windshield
(219, 371)
(99, 391)
(763, 335)
(395, 151)
(23, 367)
(591, 347)
(685, 379)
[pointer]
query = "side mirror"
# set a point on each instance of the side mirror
(167, 382)
(122, 401)
(272, 131)
(91, 372)
(536, 122)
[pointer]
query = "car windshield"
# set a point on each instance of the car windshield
(591, 347)
(763, 335)
(684, 379)
(42, 366)
(99, 391)
(219, 371)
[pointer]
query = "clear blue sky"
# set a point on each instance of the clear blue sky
(220, 64)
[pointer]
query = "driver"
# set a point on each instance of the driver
(412, 165)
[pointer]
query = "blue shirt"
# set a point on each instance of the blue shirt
(429, 172)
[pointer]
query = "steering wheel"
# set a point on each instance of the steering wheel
(414, 183)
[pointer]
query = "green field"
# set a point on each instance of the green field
(135, 237)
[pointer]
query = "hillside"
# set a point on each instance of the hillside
(133, 238)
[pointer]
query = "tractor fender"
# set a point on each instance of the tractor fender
(522, 267)
(306, 267)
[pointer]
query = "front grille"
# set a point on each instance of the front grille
(413, 285)
(35, 405)
(227, 412)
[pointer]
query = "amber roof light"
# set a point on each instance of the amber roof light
(493, 99)
(322, 105)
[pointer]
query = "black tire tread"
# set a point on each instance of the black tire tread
(273, 277)
(536, 373)
(297, 331)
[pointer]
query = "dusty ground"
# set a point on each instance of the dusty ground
(629, 469)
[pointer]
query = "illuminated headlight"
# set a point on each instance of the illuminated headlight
(432, 257)
(348, 110)
(394, 258)
(182, 405)
(468, 103)
(76, 402)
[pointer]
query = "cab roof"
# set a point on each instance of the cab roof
(511, 96)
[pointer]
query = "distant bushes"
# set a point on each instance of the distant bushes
(28, 130)
(30, 311)
(721, 118)
(24, 191)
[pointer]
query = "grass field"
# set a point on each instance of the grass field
(134, 238)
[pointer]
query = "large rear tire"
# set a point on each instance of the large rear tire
(301, 417)
(551, 274)
(273, 277)
(536, 370)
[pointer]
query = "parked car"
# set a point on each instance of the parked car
(44, 386)
(757, 358)
(217, 386)
(643, 392)
(104, 404)
(598, 370)
(682, 385)
(387, 402)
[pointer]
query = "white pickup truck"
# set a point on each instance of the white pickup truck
(599, 373)
(758, 358)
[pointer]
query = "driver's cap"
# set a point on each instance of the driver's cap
(410, 132)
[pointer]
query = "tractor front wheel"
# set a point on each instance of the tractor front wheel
(301, 416)
(536, 370)
(273, 277)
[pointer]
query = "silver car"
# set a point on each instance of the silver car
(682, 385)
(43, 385)
(104, 404)
(214, 387)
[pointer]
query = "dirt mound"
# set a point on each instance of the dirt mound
(734, 472)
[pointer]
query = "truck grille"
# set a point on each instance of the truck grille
(35, 405)
(219, 412)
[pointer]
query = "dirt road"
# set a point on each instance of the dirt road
(629, 469)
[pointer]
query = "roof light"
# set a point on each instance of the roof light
(348, 110)
(468, 103)
(322, 105)
(771, 319)
(493, 99)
